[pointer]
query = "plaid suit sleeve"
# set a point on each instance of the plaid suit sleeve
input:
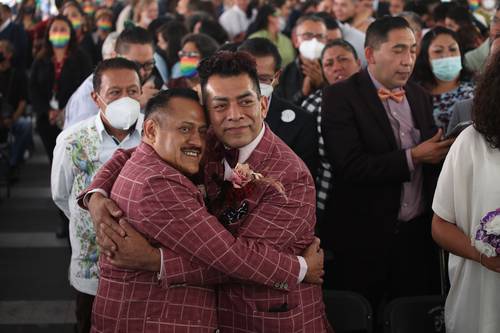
(107, 174)
(175, 216)
(180, 271)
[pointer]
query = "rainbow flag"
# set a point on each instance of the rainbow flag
(58, 39)
(104, 25)
(188, 66)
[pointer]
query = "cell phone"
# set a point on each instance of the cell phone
(457, 129)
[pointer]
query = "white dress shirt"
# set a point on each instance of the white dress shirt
(80, 106)
(79, 153)
(235, 21)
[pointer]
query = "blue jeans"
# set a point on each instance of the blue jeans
(22, 132)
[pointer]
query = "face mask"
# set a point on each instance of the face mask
(29, 9)
(446, 69)
(76, 23)
(311, 49)
(145, 20)
(188, 66)
(122, 113)
(104, 25)
(59, 40)
(266, 89)
(88, 9)
(282, 23)
(488, 4)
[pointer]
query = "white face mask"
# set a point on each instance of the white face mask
(488, 4)
(311, 49)
(282, 23)
(266, 89)
(122, 113)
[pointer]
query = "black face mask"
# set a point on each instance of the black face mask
(2, 57)
(29, 9)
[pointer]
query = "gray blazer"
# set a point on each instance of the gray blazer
(462, 111)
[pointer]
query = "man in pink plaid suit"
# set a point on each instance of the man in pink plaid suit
(279, 212)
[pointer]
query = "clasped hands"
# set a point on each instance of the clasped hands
(124, 247)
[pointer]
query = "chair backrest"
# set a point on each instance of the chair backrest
(415, 315)
(348, 312)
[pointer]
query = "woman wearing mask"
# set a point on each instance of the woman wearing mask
(439, 69)
(76, 16)
(267, 25)
(466, 199)
(104, 26)
(57, 71)
(339, 61)
(194, 48)
(170, 43)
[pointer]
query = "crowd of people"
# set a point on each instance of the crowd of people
(217, 164)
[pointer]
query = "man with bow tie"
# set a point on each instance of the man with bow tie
(383, 146)
(272, 204)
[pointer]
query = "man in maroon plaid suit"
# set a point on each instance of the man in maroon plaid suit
(258, 213)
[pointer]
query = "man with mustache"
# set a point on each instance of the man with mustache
(278, 212)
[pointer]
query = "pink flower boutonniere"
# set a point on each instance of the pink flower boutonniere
(242, 175)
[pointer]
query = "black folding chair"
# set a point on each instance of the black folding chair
(348, 312)
(419, 314)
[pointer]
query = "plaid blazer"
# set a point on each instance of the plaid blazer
(168, 209)
(285, 223)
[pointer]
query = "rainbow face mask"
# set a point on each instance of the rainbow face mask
(59, 40)
(104, 25)
(76, 23)
(188, 66)
(88, 8)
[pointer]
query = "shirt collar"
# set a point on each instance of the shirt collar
(246, 151)
(101, 130)
(5, 24)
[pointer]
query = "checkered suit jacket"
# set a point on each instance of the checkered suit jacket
(168, 209)
(286, 223)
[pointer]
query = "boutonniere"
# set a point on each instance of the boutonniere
(242, 175)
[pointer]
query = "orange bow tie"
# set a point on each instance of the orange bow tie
(396, 96)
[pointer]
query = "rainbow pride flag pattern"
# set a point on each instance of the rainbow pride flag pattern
(59, 40)
(188, 66)
(104, 25)
(76, 23)
(473, 4)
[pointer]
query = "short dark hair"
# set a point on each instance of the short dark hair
(309, 17)
(341, 43)
(262, 47)
(378, 31)
(205, 44)
(161, 100)
(133, 35)
(330, 22)
(227, 64)
(110, 64)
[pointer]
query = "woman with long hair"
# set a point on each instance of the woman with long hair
(267, 25)
(439, 69)
(57, 71)
(467, 209)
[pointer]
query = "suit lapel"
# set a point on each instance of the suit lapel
(260, 154)
(376, 107)
(273, 114)
(414, 107)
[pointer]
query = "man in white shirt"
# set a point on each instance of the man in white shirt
(80, 151)
(133, 44)
(235, 20)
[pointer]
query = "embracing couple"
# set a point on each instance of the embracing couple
(247, 263)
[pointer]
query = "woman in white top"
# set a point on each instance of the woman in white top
(468, 189)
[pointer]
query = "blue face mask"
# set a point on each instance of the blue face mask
(447, 69)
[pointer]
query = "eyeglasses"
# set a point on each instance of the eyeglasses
(310, 35)
(147, 66)
(188, 54)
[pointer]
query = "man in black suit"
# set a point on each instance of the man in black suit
(293, 125)
(383, 146)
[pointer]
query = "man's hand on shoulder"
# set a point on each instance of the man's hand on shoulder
(314, 257)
